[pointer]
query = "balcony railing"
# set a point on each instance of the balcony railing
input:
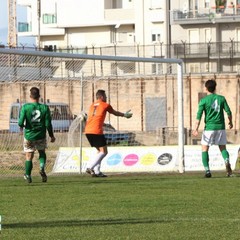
(206, 15)
(214, 56)
(205, 50)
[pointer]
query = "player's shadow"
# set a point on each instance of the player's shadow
(71, 223)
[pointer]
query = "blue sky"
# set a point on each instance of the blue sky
(3, 21)
(21, 15)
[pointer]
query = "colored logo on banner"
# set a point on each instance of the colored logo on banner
(114, 159)
(165, 158)
(130, 159)
(85, 156)
(148, 159)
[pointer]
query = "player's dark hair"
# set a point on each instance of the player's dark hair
(34, 93)
(100, 93)
(211, 85)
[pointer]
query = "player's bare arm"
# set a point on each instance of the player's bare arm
(230, 124)
(195, 130)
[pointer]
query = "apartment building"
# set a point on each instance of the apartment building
(80, 23)
(206, 34)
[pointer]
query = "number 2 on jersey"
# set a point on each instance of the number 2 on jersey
(36, 116)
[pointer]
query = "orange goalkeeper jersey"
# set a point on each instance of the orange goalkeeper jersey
(96, 117)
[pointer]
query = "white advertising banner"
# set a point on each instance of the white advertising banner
(142, 159)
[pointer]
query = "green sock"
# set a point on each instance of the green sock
(225, 155)
(42, 160)
(205, 161)
(28, 167)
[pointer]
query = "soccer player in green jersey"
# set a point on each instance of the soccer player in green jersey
(213, 106)
(35, 119)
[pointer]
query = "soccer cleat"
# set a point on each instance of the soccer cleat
(229, 169)
(208, 174)
(27, 178)
(43, 175)
(91, 172)
(101, 175)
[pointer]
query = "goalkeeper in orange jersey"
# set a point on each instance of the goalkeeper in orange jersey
(35, 120)
(94, 130)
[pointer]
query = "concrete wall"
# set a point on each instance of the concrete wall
(125, 94)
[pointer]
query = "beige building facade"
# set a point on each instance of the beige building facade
(61, 23)
(204, 33)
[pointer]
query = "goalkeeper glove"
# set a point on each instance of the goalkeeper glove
(128, 114)
(83, 116)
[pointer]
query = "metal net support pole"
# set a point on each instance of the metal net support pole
(81, 125)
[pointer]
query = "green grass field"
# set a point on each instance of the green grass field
(130, 206)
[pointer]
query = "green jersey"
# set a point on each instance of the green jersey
(36, 119)
(213, 106)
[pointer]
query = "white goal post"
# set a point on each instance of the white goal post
(52, 71)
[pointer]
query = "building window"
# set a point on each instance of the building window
(193, 5)
(207, 3)
(24, 27)
(207, 67)
(238, 67)
(156, 37)
(49, 18)
(116, 4)
(122, 37)
(157, 68)
(208, 35)
(194, 68)
(194, 35)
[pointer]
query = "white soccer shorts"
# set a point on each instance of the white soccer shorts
(214, 137)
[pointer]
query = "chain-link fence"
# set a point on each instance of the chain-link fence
(68, 84)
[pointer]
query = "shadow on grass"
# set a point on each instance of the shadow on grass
(71, 223)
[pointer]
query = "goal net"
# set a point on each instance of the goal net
(150, 87)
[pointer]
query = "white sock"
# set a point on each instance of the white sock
(97, 168)
(97, 161)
